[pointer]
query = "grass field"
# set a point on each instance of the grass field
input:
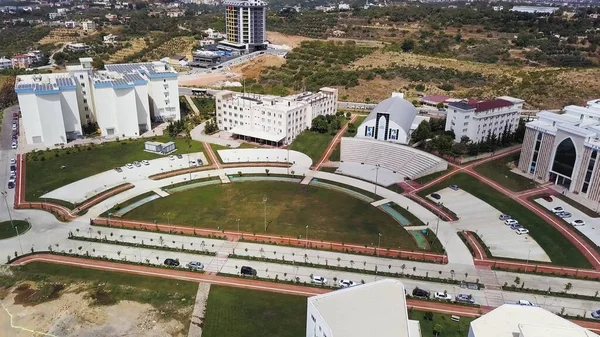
(173, 298)
(330, 215)
(335, 155)
(46, 175)
(425, 179)
(312, 144)
(8, 231)
(499, 171)
(558, 247)
(449, 327)
(235, 312)
(357, 123)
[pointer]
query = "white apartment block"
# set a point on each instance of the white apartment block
(477, 120)
(375, 309)
(88, 25)
(5, 63)
(272, 119)
(123, 100)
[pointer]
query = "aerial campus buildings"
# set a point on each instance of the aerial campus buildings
(123, 100)
(269, 119)
(563, 149)
(480, 119)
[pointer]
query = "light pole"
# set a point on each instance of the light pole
(168, 218)
(5, 194)
(189, 167)
(109, 215)
(306, 237)
(238, 225)
(527, 263)
(265, 204)
(378, 244)
(437, 226)
(376, 176)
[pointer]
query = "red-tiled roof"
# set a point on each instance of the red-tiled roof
(492, 104)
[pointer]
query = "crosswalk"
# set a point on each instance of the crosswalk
(221, 257)
(493, 290)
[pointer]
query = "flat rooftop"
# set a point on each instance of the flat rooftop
(511, 320)
(372, 309)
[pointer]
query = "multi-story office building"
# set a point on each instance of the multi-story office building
(373, 309)
(245, 22)
(272, 119)
(563, 149)
(477, 120)
(5, 63)
(22, 61)
(123, 100)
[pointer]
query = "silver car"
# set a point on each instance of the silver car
(195, 265)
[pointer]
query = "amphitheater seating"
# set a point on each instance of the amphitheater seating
(403, 161)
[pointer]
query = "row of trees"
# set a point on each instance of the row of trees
(327, 123)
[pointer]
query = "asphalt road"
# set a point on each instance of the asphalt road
(6, 153)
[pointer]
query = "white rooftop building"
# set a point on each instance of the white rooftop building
(392, 120)
(511, 320)
(5, 63)
(272, 119)
(123, 100)
(372, 309)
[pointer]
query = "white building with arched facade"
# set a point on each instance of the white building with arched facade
(392, 120)
(563, 149)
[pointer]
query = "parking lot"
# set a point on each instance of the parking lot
(591, 229)
(477, 216)
(85, 188)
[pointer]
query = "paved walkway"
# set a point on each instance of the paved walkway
(199, 308)
(334, 142)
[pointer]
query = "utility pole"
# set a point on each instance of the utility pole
(265, 204)
(378, 244)
(376, 176)
(306, 237)
(5, 194)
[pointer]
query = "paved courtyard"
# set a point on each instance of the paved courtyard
(477, 216)
(592, 225)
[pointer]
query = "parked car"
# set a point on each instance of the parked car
(11, 184)
(118, 169)
(436, 196)
(422, 111)
(504, 217)
(195, 265)
(454, 187)
(558, 209)
(137, 164)
(510, 222)
(171, 262)
(564, 214)
(465, 298)
(417, 292)
(129, 166)
(521, 231)
(14, 127)
(245, 270)
(171, 157)
(548, 198)
(525, 303)
(13, 145)
(15, 114)
(200, 162)
(145, 162)
(578, 223)
(346, 283)
(193, 163)
(515, 226)
(442, 296)
(13, 161)
(318, 279)
(179, 156)
(596, 314)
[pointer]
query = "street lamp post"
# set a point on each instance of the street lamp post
(189, 167)
(168, 218)
(378, 244)
(265, 204)
(238, 226)
(306, 237)
(437, 226)
(376, 176)
(5, 194)
(527, 263)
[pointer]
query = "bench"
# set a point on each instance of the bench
(455, 318)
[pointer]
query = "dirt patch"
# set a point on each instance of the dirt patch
(207, 79)
(27, 295)
(254, 68)
(292, 41)
(73, 315)
(375, 90)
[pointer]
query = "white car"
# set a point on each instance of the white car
(525, 303)
(442, 296)
(194, 265)
(346, 283)
(13, 145)
(510, 222)
(145, 162)
(193, 163)
(171, 157)
(129, 166)
(521, 231)
(558, 209)
(318, 279)
(13, 161)
(578, 223)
